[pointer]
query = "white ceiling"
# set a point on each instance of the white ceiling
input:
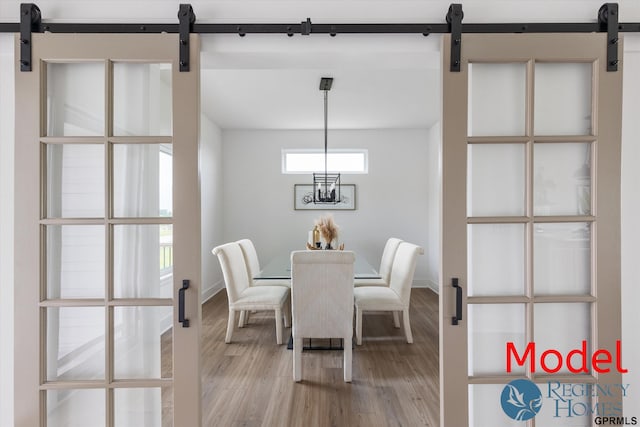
(271, 81)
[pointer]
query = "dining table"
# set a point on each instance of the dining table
(279, 268)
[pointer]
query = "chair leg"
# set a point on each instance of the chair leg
(396, 320)
(243, 318)
(407, 325)
(287, 313)
(297, 359)
(279, 326)
(358, 325)
(230, 324)
(347, 359)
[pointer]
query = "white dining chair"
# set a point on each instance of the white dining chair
(253, 266)
(386, 262)
(253, 269)
(322, 301)
(396, 297)
(242, 296)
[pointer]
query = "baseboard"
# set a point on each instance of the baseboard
(433, 286)
(426, 283)
(208, 293)
(421, 283)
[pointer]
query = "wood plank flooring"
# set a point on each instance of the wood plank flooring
(249, 382)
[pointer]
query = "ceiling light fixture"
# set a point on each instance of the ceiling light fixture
(326, 185)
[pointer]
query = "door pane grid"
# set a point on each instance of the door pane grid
(118, 330)
(504, 220)
(532, 218)
(108, 303)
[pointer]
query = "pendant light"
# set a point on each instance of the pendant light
(326, 185)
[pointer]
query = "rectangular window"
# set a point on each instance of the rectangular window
(301, 161)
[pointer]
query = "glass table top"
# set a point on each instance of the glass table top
(280, 268)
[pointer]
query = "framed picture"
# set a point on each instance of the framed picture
(303, 198)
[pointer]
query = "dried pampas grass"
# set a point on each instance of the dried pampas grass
(328, 228)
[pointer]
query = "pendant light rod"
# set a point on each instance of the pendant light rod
(326, 132)
(325, 85)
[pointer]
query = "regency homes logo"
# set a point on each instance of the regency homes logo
(522, 399)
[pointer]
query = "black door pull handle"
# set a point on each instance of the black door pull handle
(181, 317)
(458, 317)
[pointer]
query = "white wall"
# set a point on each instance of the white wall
(6, 229)
(211, 206)
(390, 200)
(630, 215)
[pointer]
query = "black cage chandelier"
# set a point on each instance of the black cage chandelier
(326, 185)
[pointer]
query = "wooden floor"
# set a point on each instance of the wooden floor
(249, 382)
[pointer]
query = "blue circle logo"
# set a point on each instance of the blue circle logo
(521, 400)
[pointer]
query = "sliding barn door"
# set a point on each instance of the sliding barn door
(531, 231)
(107, 229)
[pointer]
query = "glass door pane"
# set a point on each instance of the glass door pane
(75, 180)
(152, 245)
(496, 191)
(139, 407)
(562, 259)
(75, 343)
(138, 351)
(142, 99)
(488, 331)
(75, 261)
(70, 112)
(496, 259)
(482, 407)
(562, 327)
(563, 101)
(497, 99)
(76, 407)
(562, 179)
(142, 180)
